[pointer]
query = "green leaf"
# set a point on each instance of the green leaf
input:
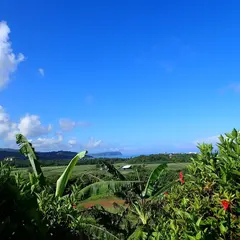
(28, 151)
(139, 211)
(172, 225)
(160, 193)
(235, 147)
(97, 231)
(152, 179)
(111, 169)
(235, 172)
(223, 229)
(199, 235)
(63, 179)
(223, 175)
(234, 133)
(199, 222)
(103, 187)
(191, 238)
(229, 135)
(221, 138)
(138, 234)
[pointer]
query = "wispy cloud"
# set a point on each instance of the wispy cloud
(8, 60)
(67, 124)
(72, 142)
(93, 143)
(41, 72)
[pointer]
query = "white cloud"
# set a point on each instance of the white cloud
(72, 142)
(41, 71)
(48, 144)
(93, 143)
(30, 126)
(5, 123)
(40, 134)
(8, 60)
(68, 125)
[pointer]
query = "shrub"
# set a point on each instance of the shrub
(206, 204)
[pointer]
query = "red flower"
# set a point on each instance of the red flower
(225, 204)
(74, 206)
(165, 193)
(181, 177)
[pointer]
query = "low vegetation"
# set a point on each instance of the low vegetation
(201, 201)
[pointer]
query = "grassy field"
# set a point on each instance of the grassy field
(105, 201)
(79, 169)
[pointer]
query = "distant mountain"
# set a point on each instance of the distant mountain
(55, 155)
(9, 150)
(106, 154)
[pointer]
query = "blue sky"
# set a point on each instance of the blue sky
(135, 76)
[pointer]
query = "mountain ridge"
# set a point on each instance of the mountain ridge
(59, 155)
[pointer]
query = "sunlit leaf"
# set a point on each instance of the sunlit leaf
(149, 188)
(63, 179)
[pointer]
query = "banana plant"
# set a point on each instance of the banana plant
(101, 186)
(149, 189)
(28, 151)
(154, 176)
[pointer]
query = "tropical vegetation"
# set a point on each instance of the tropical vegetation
(199, 202)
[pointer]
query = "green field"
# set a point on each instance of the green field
(79, 169)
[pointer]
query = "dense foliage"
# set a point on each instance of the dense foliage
(163, 158)
(201, 202)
